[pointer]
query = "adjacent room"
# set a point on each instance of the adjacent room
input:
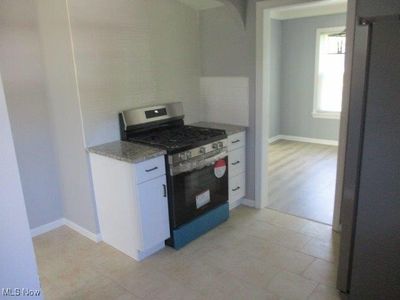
(307, 69)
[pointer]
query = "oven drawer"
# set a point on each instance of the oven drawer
(237, 187)
(237, 161)
(150, 169)
(236, 140)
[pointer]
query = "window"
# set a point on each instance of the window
(329, 71)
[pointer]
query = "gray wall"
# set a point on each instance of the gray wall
(23, 75)
(75, 181)
(240, 6)
(275, 79)
(297, 78)
(222, 41)
(18, 265)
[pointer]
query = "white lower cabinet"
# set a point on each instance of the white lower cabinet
(237, 187)
(153, 212)
(132, 204)
(237, 161)
(237, 168)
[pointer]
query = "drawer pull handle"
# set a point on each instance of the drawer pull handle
(236, 189)
(235, 163)
(152, 169)
(165, 190)
(236, 141)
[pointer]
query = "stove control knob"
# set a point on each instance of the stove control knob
(182, 156)
(188, 155)
(220, 145)
(202, 150)
(215, 146)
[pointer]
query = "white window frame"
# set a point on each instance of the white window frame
(317, 113)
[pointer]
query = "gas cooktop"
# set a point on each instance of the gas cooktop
(178, 138)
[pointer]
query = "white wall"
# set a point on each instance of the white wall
(23, 75)
(226, 99)
(130, 54)
(18, 265)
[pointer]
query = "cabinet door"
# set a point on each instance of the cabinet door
(153, 212)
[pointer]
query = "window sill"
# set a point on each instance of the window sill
(326, 115)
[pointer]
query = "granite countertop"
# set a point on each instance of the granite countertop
(126, 151)
(229, 128)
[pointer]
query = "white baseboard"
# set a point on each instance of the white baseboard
(60, 222)
(47, 227)
(90, 235)
(235, 204)
(304, 140)
(274, 139)
(248, 202)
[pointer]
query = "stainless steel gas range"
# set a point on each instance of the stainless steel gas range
(196, 163)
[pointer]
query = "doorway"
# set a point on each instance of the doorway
(291, 153)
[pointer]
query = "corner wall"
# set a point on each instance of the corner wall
(22, 68)
(102, 57)
(74, 173)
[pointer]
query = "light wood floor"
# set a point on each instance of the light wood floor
(302, 178)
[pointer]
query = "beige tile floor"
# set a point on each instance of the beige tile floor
(256, 254)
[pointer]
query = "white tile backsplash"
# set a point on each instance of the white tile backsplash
(226, 99)
(130, 54)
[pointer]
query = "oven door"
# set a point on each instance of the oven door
(198, 189)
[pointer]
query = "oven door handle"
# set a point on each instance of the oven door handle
(197, 164)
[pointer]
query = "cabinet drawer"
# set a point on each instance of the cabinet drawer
(236, 140)
(150, 169)
(237, 187)
(237, 161)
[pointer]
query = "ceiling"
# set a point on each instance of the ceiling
(202, 4)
